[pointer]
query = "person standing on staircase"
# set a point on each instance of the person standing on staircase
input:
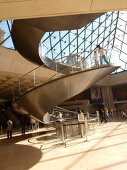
(101, 52)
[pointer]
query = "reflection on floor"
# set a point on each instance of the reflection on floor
(106, 149)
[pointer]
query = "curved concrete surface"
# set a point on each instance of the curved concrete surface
(19, 9)
(26, 40)
(13, 66)
(40, 99)
(26, 34)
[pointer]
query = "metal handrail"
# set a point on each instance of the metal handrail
(65, 69)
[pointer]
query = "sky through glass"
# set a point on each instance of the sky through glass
(109, 31)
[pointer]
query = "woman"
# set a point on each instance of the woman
(101, 52)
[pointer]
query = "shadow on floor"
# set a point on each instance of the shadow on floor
(19, 138)
(17, 156)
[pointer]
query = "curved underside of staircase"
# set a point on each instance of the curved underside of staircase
(42, 98)
(27, 33)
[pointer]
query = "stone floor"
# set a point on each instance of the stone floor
(106, 149)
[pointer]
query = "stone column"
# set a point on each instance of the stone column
(107, 96)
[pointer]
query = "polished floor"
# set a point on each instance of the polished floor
(106, 149)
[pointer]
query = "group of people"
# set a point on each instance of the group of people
(99, 56)
(104, 116)
(23, 126)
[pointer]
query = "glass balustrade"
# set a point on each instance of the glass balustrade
(68, 65)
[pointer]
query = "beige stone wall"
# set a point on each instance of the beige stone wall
(115, 79)
(12, 62)
(10, 9)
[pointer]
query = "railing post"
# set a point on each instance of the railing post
(86, 130)
(62, 131)
(98, 117)
(88, 115)
(56, 65)
(81, 64)
(93, 125)
(72, 68)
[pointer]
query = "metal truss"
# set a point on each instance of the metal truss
(108, 31)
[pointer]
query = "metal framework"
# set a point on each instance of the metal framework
(108, 31)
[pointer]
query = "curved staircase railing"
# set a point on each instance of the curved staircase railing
(70, 65)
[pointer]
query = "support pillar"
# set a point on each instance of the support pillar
(107, 96)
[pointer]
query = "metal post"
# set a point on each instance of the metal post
(56, 66)
(72, 68)
(86, 129)
(98, 117)
(93, 125)
(88, 115)
(81, 64)
(62, 131)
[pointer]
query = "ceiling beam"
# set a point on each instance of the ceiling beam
(20, 9)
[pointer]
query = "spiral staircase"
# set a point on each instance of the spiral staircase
(26, 35)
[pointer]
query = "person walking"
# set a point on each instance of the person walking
(9, 128)
(101, 52)
(107, 115)
(81, 119)
(103, 116)
(23, 125)
(124, 116)
(95, 57)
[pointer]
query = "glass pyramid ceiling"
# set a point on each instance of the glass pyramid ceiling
(108, 31)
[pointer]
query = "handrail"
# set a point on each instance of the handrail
(62, 109)
(57, 62)
(66, 68)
